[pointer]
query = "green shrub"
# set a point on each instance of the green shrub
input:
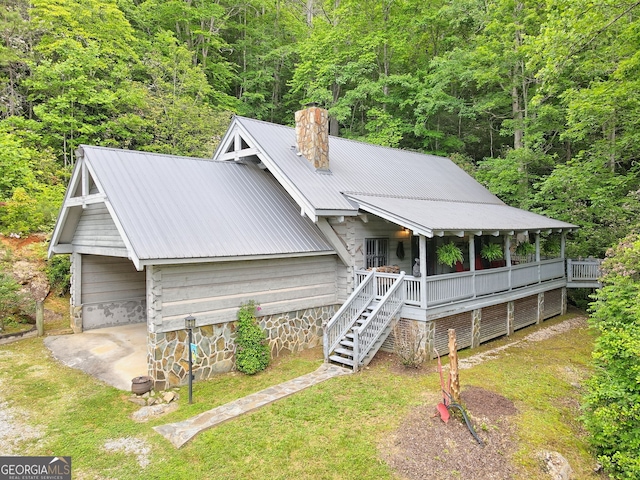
(31, 211)
(13, 304)
(252, 353)
(612, 404)
(58, 272)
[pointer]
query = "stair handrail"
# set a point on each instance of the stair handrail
(366, 334)
(346, 316)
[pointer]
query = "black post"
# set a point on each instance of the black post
(190, 367)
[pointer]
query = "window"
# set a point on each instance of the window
(376, 252)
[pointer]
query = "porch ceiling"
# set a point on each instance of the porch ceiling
(437, 217)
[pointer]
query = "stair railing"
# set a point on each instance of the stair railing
(346, 316)
(365, 336)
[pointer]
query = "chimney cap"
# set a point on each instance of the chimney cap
(311, 104)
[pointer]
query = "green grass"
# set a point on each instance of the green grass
(331, 431)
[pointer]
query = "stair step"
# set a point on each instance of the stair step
(343, 360)
(344, 351)
(346, 343)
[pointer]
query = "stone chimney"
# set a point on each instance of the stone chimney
(312, 135)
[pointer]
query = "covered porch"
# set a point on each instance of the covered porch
(505, 269)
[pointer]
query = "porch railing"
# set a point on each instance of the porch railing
(344, 318)
(589, 270)
(453, 287)
(365, 336)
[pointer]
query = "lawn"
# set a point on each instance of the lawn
(333, 430)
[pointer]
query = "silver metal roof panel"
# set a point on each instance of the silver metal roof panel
(178, 207)
(364, 168)
(447, 216)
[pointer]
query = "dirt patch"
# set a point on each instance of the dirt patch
(483, 403)
(426, 447)
(16, 242)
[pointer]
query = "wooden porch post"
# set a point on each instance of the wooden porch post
(507, 254)
(423, 271)
(507, 249)
(563, 243)
(538, 247)
(472, 253)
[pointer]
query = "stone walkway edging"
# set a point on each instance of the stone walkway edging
(179, 433)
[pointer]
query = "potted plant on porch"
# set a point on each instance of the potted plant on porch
(492, 252)
(448, 254)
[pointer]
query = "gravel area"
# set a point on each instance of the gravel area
(15, 429)
(130, 446)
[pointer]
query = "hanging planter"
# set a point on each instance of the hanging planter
(525, 248)
(492, 252)
(448, 254)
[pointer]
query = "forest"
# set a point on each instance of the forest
(537, 99)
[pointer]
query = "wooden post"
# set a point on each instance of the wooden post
(453, 366)
(40, 317)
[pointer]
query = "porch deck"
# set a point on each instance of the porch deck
(427, 298)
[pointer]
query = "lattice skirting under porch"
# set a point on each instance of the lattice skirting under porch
(481, 325)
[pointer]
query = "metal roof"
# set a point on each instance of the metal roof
(429, 217)
(178, 207)
(428, 192)
(364, 168)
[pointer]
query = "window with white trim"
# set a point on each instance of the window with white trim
(376, 252)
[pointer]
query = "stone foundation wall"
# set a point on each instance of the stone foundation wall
(295, 331)
(168, 356)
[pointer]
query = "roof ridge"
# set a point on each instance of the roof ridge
(353, 140)
(144, 152)
(429, 199)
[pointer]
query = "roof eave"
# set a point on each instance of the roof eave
(233, 258)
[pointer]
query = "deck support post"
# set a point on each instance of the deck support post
(476, 322)
(510, 317)
(430, 339)
(564, 301)
(540, 308)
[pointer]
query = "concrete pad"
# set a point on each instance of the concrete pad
(114, 355)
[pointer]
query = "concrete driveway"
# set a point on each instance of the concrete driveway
(114, 355)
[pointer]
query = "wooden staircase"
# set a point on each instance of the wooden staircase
(357, 331)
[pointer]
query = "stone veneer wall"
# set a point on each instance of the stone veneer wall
(168, 357)
(296, 331)
(312, 136)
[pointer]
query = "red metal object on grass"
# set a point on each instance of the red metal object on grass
(443, 408)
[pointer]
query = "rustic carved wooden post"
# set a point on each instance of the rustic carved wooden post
(453, 366)
(40, 317)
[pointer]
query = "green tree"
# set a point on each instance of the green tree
(612, 404)
(81, 87)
